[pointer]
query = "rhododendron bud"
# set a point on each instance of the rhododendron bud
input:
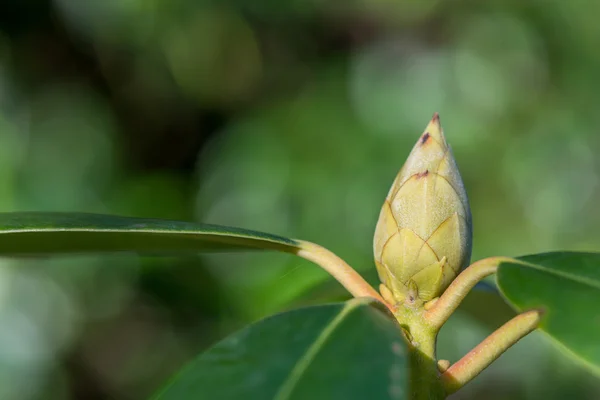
(424, 233)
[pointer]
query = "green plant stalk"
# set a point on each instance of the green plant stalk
(425, 381)
(421, 336)
(489, 350)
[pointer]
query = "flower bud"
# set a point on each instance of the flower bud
(424, 234)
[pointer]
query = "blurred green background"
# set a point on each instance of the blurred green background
(291, 117)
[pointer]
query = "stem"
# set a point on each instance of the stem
(425, 381)
(489, 350)
(449, 301)
(340, 270)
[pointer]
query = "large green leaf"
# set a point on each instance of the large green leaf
(35, 233)
(567, 286)
(340, 351)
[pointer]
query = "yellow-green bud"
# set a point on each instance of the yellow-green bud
(424, 235)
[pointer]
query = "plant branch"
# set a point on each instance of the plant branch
(340, 270)
(449, 301)
(489, 350)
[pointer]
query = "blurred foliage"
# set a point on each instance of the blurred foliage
(290, 117)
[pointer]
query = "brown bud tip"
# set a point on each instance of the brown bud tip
(434, 131)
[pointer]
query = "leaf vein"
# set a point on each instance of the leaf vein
(288, 386)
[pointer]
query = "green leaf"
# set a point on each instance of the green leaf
(340, 351)
(566, 285)
(39, 233)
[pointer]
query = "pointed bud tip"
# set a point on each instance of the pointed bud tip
(434, 130)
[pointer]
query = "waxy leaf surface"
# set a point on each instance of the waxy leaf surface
(46, 233)
(566, 285)
(341, 351)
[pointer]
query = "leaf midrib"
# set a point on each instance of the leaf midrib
(287, 387)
